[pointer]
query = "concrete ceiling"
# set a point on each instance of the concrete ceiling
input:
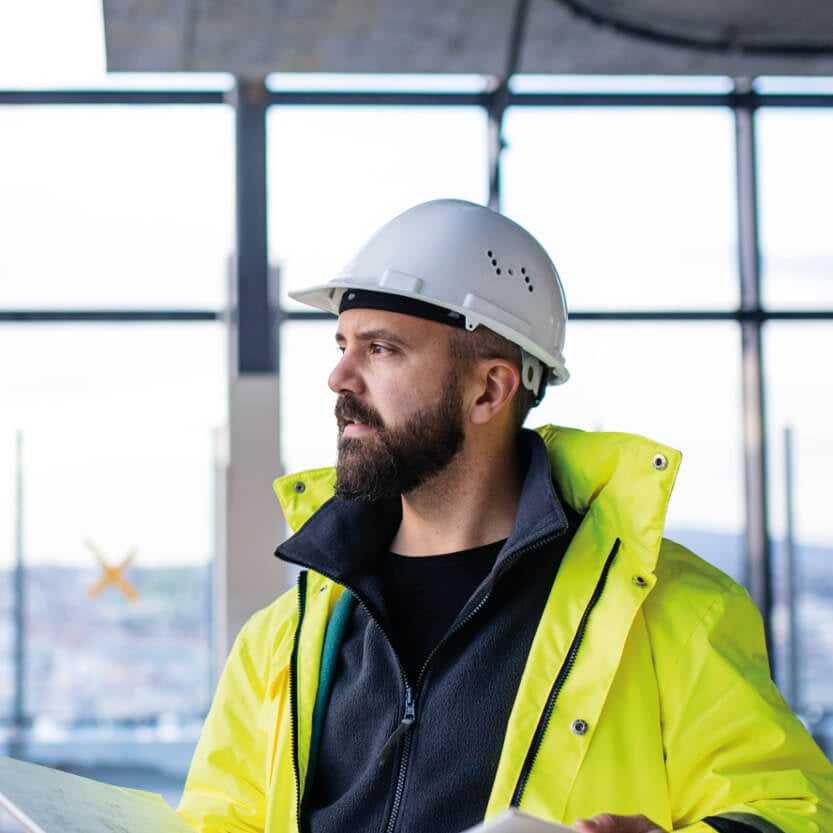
(252, 38)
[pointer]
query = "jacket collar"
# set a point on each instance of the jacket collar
(623, 480)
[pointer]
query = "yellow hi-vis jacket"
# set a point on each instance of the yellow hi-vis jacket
(679, 719)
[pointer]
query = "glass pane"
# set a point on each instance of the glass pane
(794, 84)
(117, 426)
(308, 427)
(796, 179)
(374, 82)
(664, 381)
(636, 207)
(116, 206)
(798, 390)
(531, 83)
(337, 173)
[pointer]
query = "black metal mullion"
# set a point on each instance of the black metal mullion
(758, 561)
(111, 97)
(11, 316)
(105, 316)
(327, 98)
(257, 345)
(498, 100)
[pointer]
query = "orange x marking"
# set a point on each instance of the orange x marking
(113, 575)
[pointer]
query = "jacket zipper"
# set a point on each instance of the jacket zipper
(293, 689)
(561, 678)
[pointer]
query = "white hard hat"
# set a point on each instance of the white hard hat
(469, 259)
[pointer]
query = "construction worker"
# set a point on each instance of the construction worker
(489, 617)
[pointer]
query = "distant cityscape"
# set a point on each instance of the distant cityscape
(113, 690)
(120, 683)
(99, 659)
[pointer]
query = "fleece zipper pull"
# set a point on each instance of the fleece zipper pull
(404, 725)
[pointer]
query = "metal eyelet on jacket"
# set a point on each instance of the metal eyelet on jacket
(579, 727)
(660, 462)
(640, 581)
(299, 487)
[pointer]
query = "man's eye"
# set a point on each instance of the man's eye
(379, 348)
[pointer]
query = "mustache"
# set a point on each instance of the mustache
(350, 409)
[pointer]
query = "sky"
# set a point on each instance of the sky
(133, 207)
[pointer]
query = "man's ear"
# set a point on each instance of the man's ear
(498, 380)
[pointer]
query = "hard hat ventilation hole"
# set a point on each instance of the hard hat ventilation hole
(495, 263)
(493, 259)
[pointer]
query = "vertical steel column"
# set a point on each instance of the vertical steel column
(256, 336)
(496, 108)
(497, 101)
(16, 744)
(249, 460)
(792, 682)
(758, 558)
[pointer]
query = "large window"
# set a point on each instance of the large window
(121, 210)
(110, 212)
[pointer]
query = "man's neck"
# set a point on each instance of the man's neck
(468, 505)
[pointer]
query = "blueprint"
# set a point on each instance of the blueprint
(45, 800)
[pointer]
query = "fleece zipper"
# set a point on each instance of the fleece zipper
(561, 678)
(410, 715)
(293, 689)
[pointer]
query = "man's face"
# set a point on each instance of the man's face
(399, 410)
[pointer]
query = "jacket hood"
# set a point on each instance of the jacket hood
(625, 480)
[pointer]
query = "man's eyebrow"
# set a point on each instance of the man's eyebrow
(370, 335)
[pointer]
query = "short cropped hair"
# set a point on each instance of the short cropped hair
(470, 346)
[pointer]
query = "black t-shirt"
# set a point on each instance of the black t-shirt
(424, 594)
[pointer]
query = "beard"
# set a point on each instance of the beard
(394, 461)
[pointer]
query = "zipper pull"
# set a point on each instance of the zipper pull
(404, 725)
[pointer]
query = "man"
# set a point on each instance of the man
(514, 630)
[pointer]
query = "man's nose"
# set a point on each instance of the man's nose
(345, 376)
